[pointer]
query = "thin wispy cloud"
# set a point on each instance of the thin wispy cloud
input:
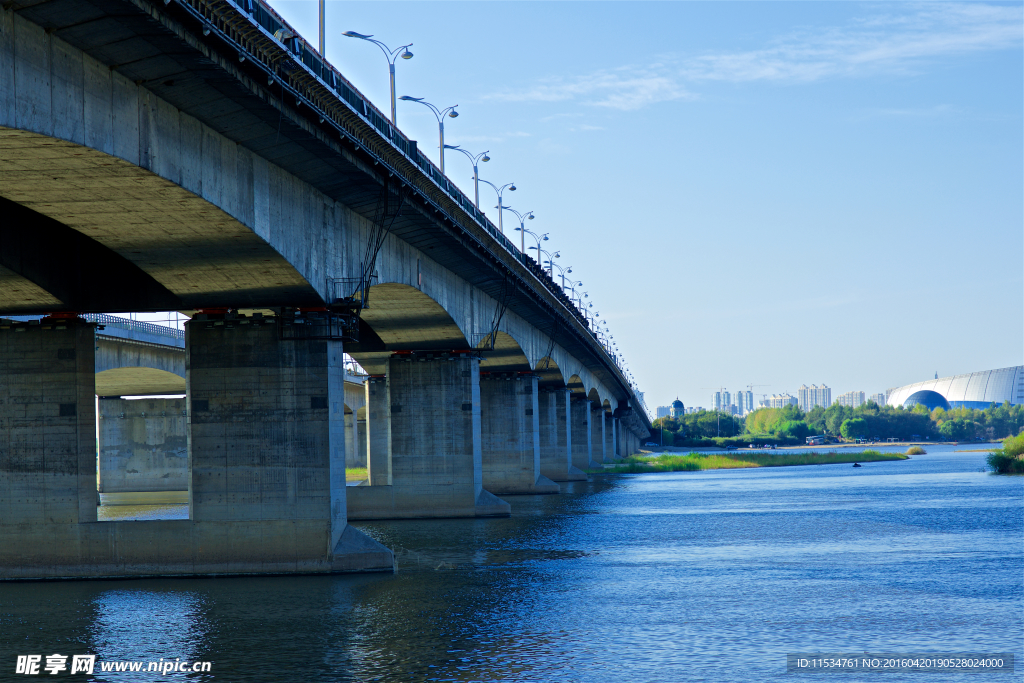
(884, 43)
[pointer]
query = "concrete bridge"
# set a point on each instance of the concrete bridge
(197, 156)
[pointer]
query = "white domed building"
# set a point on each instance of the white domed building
(974, 390)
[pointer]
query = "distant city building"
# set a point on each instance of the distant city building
(678, 408)
(664, 411)
(877, 398)
(720, 400)
(854, 399)
(690, 411)
(748, 401)
(779, 401)
(811, 396)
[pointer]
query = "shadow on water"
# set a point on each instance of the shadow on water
(653, 577)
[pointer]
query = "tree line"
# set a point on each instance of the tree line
(869, 421)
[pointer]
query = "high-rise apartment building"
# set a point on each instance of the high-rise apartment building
(664, 411)
(877, 398)
(779, 401)
(854, 399)
(720, 400)
(811, 396)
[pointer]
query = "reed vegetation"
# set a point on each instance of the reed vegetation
(713, 461)
(1010, 458)
(916, 450)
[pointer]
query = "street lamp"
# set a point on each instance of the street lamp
(511, 188)
(551, 256)
(522, 227)
(390, 55)
(539, 238)
(572, 285)
(562, 270)
(473, 159)
(439, 114)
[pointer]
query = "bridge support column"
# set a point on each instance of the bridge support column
(378, 431)
(433, 409)
(47, 446)
(510, 429)
(267, 451)
(142, 445)
(597, 452)
(616, 452)
(556, 436)
(582, 433)
(361, 450)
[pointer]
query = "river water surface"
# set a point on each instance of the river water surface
(695, 576)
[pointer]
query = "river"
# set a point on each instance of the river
(688, 576)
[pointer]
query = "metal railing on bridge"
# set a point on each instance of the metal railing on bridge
(135, 325)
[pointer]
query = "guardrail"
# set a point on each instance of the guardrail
(135, 325)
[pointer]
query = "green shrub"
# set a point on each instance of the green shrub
(1010, 458)
(916, 450)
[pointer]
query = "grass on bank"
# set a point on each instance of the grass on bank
(355, 474)
(1010, 458)
(713, 461)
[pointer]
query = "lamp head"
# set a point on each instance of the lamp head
(353, 34)
(453, 114)
(518, 229)
(512, 188)
(557, 254)
(486, 158)
(530, 216)
(412, 99)
(545, 237)
(569, 269)
(406, 54)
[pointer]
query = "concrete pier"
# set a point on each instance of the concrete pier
(510, 431)
(433, 411)
(265, 449)
(582, 433)
(598, 452)
(378, 431)
(143, 445)
(556, 436)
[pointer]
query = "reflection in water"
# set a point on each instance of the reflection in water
(655, 577)
(147, 625)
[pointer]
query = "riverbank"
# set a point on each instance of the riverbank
(740, 460)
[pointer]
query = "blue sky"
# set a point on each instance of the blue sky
(773, 193)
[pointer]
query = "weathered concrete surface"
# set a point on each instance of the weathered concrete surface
(510, 430)
(288, 518)
(582, 433)
(555, 430)
(378, 431)
(355, 398)
(597, 440)
(143, 445)
(433, 409)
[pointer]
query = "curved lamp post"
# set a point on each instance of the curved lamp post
(562, 270)
(523, 217)
(537, 237)
(439, 114)
(391, 55)
(501, 207)
(551, 258)
(473, 159)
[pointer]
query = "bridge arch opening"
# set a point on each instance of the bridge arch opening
(506, 356)
(550, 374)
(575, 385)
(102, 220)
(400, 317)
(138, 381)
